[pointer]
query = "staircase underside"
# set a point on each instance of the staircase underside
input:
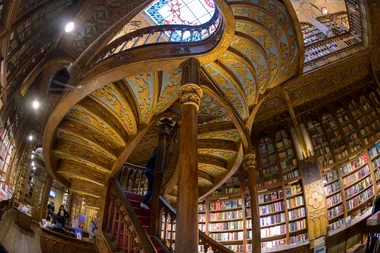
(93, 132)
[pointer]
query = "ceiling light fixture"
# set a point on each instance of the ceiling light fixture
(69, 27)
(32, 156)
(36, 104)
(324, 10)
(30, 137)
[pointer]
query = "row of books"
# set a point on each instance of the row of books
(351, 166)
(358, 187)
(270, 170)
(297, 213)
(352, 178)
(337, 224)
(273, 219)
(225, 226)
(270, 196)
(202, 227)
(272, 244)
(293, 189)
(374, 151)
(376, 163)
(201, 207)
(331, 188)
(331, 175)
(230, 236)
(234, 248)
(294, 202)
(298, 238)
(271, 208)
(297, 225)
(272, 231)
(292, 174)
(336, 211)
(202, 217)
(226, 215)
(359, 199)
(333, 200)
(223, 205)
(288, 163)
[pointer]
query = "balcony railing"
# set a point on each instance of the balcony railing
(161, 34)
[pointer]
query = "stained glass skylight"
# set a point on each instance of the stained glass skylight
(187, 12)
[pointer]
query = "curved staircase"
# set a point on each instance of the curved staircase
(130, 82)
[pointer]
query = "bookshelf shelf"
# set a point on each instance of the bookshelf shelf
(335, 205)
(333, 181)
(272, 238)
(272, 201)
(333, 193)
(295, 207)
(225, 210)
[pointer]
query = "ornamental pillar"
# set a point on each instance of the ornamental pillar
(250, 163)
(190, 95)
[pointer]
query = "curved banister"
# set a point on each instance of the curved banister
(156, 34)
(123, 220)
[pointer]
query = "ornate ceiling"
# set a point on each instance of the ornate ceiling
(112, 119)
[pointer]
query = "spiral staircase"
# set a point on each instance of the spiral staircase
(131, 81)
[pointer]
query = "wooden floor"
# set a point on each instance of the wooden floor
(16, 239)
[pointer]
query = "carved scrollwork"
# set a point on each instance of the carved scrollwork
(250, 160)
(191, 94)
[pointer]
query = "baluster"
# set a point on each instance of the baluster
(108, 227)
(191, 35)
(182, 32)
(165, 225)
(124, 45)
(130, 241)
(171, 34)
(137, 40)
(147, 38)
(134, 180)
(139, 183)
(125, 235)
(114, 220)
(118, 226)
(171, 232)
(159, 37)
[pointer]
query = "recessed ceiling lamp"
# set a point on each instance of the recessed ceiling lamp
(324, 10)
(69, 27)
(36, 104)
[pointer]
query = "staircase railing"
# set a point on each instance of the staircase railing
(121, 225)
(132, 178)
(161, 34)
(167, 231)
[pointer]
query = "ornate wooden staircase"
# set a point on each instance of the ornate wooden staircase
(129, 83)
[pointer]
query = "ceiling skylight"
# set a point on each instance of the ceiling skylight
(186, 12)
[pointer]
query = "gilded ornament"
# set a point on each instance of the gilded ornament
(190, 94)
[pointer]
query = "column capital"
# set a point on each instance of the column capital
(250, 160)
(190, 94)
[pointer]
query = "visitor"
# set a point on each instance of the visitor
(149, 175)
(62, 216)
(92, 229)
(50, 211)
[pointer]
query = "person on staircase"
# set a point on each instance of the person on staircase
(149, 175)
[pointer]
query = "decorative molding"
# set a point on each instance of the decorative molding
(190, 94)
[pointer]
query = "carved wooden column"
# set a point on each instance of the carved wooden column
(187, 215)
(161, 161)
(45, 196)
(250, 163)
(295, 123)
(317, 218)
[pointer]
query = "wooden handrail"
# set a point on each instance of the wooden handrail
(168, 214)
(122, 220)
(161, 34)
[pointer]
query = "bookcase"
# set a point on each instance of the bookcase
(320, 143)
(310, 33)
(362, 122)
(338, 22)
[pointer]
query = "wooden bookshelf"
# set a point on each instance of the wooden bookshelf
(322, 148)
(338, 22)
(310, 33)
